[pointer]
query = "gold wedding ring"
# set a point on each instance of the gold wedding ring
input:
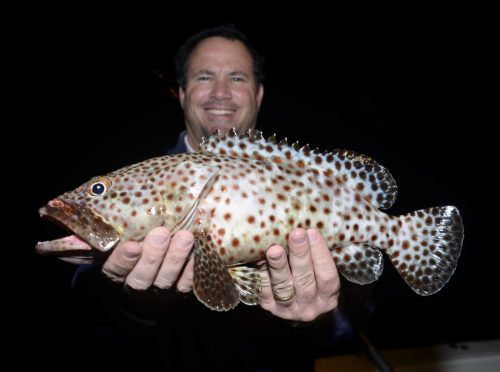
(278, 298)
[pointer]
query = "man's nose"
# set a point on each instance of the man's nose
(220, 90)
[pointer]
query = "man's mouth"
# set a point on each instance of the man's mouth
(220, 111)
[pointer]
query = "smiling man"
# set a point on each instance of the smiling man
(220, 90)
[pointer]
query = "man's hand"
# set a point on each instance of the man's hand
(304, 285)
(306, 281)
(158, 260)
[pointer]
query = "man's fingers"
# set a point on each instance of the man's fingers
(326, 275)
(281, 277)
(122, 260)
(185, 282)
(302, 265)
(154, 248)
(174, 261)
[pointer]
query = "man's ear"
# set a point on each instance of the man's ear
(182, 95)
(260, 95)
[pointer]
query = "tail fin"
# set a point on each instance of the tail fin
(430, 241)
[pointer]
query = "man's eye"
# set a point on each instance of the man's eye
(237, 78)
(203, 78)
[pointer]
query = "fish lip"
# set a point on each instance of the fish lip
(81, 221)
(68, 246)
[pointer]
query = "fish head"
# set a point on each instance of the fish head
(126, 204)
(103, 211)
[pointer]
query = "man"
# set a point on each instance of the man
(220, 87)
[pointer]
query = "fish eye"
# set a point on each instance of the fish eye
(99, 186)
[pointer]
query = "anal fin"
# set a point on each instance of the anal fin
(359, 263)
(247, 281)
(212, 283)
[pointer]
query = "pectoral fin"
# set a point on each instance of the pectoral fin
(181, 204)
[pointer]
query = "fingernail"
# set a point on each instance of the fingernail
(185, 242)
(276, 257)
(159, 239)
(313, 236)
(299, 238)
(131, 252)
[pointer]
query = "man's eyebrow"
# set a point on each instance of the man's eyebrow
(211, 73)
(203, 72)
(238, 73)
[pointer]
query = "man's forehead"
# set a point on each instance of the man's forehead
(218, 52)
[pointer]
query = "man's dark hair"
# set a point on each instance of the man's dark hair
(226, 31)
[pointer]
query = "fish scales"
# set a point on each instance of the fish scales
(241, 194)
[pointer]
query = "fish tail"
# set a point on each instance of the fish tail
(427, 247)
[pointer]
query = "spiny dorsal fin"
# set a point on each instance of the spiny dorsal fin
(359, 172)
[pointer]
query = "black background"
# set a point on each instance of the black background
(420, 99)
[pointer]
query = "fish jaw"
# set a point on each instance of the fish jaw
(90, 229)
(70, 248)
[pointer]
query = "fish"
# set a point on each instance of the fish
(241, 194)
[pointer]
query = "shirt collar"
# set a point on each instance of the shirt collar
(188, 145)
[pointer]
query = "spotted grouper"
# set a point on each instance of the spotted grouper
(241, 194)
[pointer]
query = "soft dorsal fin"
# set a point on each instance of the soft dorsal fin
(359, 172)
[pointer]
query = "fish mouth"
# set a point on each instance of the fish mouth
(90, 231)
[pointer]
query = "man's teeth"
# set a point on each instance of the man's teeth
(220, 112)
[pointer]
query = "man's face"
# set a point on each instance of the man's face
(221, 92)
